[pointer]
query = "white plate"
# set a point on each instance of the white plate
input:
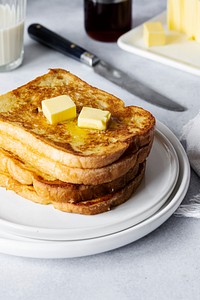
(21, 246)
(179, 52)
(21, 217)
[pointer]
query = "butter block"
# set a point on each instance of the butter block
(59, 109)
(190, 18)
(154, 34)
(93, 118)
(197, 31)
(175, 11)
(184, 16)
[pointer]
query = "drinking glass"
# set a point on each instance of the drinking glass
(12, 17)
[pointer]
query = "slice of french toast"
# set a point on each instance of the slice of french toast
(63, 192)
(65, 143)
(50, 170)
(89, 207)
(57, 190)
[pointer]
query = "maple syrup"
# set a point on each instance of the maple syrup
(106, 20)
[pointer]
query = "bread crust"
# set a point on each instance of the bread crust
(90, 207)
(75, 175)
(57, 190)
(73, 193)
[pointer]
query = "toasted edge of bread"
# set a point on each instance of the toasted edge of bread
(76, 175)
(58, 190)
(90, 207)
(65, 192)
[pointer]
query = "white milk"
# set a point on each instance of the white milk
(11, 35)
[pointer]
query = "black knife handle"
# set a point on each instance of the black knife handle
(51, 39)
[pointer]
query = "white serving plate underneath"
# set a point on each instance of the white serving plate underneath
(24, 218)
(38, 248)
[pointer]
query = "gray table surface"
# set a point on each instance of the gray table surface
(162, 265)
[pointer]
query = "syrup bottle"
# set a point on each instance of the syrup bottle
(106, 20)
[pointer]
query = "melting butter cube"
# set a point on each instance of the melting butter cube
(154, 34)
(59, 109)
(93, 118)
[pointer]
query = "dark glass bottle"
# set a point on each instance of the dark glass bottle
(106, 20)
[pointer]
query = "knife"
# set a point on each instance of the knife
(51, 39)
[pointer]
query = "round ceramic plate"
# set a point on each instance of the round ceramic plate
(22, 217)
(21, 246)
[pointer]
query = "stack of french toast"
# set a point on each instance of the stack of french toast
(78, 170)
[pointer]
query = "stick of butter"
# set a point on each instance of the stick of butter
(183, 16)
(59, 109)
(175, 11)
(93, 118)
(154, 34)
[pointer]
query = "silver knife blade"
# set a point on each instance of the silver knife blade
(122, 79)
(135, 87)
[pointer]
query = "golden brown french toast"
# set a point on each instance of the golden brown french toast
(90, 207)
(65, 144)
(44, 184)
(52, 169)
(78, 170)
(59, 191)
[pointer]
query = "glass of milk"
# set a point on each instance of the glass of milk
(12, 16)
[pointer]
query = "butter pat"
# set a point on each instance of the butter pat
(154, 34)
(59, 109)
(93, 118)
